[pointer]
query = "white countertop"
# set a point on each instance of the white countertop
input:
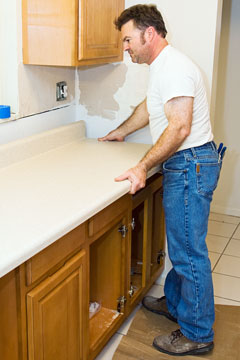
(60, 180)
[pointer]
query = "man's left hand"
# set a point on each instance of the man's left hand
(137, 177)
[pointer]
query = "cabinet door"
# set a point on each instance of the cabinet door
(140, 244)
(158, 233)
(56, 311)
(98, 38)
(9, 333)
(50, 32)
(107, 279)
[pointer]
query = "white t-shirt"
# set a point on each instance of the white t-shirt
(173, 74)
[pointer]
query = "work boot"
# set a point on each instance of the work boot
(177, 344)
(158, 306)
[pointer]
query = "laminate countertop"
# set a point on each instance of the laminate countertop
(52, 182)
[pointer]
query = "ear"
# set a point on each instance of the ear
(150, 33)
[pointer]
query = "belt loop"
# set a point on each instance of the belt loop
(193, 152)
(213, 145)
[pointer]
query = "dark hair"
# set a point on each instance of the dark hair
(143, 17)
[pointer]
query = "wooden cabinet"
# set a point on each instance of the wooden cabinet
(71, 33)
(147, 244)
(56, 313)
(107, 284)
(9, 324)
(158, 229)
(139, 244)
(108, 235)
(111, 260)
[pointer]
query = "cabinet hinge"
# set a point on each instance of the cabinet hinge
(123, 230)
(121, 303)
(131, 291)
(160, 254)
(133, 224)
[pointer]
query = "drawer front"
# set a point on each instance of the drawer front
(54, 255)
(98, 223)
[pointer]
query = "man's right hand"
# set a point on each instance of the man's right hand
(114, 135)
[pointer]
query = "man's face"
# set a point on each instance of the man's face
(134, 42)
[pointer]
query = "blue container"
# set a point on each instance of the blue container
(5, 112)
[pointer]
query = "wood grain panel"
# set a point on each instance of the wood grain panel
(98, 223)
(70, 33)
(98, 36)
(55, 311)
(9, 338)
(49, 32)
(48, 258)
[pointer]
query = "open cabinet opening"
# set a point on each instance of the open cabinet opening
(106, 284)
(137, 249)
(158, 231)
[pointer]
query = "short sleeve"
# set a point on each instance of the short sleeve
(175, 85)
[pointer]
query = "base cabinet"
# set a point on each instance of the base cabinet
(107, 279)
(147, 244)
(69, 299)
(56, 309)
(158, 230)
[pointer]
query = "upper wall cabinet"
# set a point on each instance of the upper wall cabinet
(71, 33)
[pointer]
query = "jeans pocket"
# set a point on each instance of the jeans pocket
(207, 177)
(174, 166)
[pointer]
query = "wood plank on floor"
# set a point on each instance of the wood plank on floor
(137, 344)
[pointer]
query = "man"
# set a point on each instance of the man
(177, 111)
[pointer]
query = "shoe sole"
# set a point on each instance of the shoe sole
(200, 351)
(168, 316)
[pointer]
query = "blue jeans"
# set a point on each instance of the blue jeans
(189, 179)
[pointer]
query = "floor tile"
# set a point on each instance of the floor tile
(237, 233)
(127, 323)
(213, 258)
(223, 301)
(216, 243)
(228, 265)
(224, 218)
(226, 287)
(220, 228)
(110, 348)
(233, 248)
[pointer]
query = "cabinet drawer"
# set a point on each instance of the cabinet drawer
(57, 253)
(98, 223)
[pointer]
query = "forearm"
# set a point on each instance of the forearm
(136, 121)
(179, 114)
(168, 143)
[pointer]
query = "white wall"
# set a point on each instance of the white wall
(108, 94)
(227, 121)
(29, 90)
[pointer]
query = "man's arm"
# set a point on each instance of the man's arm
(179, 114)
(137, 120)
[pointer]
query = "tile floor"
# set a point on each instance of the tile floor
(223, 242)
